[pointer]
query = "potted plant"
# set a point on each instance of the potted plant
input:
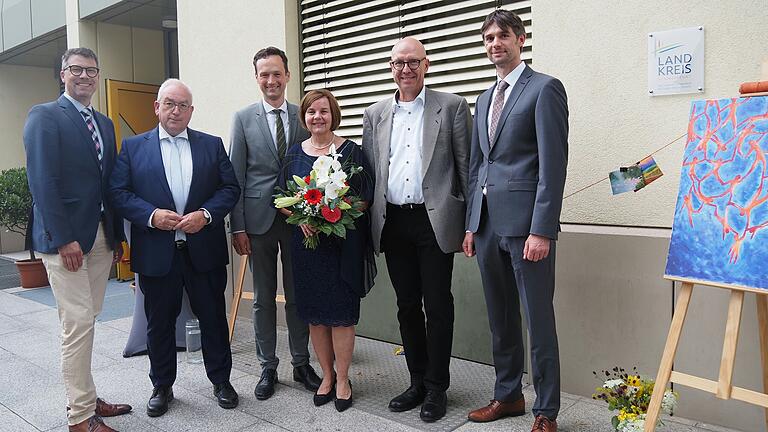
(15, 208)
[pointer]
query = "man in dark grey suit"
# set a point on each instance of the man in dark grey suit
(261, 133)
(418, 143)
(518, 161)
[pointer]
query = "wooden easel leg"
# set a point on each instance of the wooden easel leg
(762, 320)
(668, 357)
(725, 379)
(238, 294)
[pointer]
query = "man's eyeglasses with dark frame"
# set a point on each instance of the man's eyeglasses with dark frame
(77, 70)
(170, 106)
(412, 64)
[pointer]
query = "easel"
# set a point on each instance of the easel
(239, 293)
(722, 388)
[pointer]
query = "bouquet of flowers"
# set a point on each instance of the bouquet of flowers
(630, 394)
(321, 199)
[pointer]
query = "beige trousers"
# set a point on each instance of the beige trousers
(79, 296)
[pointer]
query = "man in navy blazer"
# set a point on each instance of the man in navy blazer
(175, 185)
(517, 169)
(70, 151)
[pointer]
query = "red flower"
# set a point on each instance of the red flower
(331, 215)
(313, 196)
(307, 179)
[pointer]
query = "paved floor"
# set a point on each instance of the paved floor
(32, 395)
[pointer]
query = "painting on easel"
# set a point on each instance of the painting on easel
(720, 230)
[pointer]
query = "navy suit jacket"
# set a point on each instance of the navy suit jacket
(138, 187)
(68, 188)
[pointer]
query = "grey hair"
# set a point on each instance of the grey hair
(173, 82)
(82, 52)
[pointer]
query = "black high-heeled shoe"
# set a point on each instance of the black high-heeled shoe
(322, 399)
(343, 404)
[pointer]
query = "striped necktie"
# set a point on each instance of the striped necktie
(88, 117)
(280, 133)
(498, 105)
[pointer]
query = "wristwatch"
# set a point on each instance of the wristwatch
(206, 216)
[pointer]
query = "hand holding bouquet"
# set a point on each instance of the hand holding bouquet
(321, 200)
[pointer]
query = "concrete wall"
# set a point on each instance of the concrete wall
(598, 49)
(21, 87)
(218, 66)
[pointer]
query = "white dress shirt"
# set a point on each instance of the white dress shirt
(80, 107)
(184, 161)
(405, 151)
(511, 79)
(272, 121)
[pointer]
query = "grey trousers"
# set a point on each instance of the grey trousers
(263, 261)
(508, 279)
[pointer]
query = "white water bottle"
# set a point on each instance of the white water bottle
(194, 343)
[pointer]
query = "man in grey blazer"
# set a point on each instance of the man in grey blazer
(418, 143)
(518, 161)
(261, 133)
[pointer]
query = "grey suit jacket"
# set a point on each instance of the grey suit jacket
(445, 158)
(254, 157)
(524, 165)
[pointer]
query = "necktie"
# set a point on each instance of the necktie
(280, 133)
(177, 181)
(86, 113)
(498, 105)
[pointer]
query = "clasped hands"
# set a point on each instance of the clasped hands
(168, 220)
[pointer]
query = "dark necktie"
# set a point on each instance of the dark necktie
(92, 128)
(498, 105)
(280, 133)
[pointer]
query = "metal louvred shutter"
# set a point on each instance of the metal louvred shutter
(346, 48)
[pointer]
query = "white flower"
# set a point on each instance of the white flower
(636, 425)
(332, 152)
(336, 166)
(613, 383)
(322, 165)
(669, 403)
(338, 178)
(332, 190)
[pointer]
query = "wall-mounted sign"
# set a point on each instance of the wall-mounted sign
(676, 61)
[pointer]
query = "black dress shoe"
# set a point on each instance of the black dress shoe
(266, 386)
(307, 376)
(158, 403)
(434, 406)
(322, 399)
(343, 404)
(226, 395)
(409, 399)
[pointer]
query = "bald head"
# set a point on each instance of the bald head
(409, 65)
(411, 45)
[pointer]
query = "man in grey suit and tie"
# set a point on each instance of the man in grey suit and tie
(261, 133)
(418, 143)
(518, 161)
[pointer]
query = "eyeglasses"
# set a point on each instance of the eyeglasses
(78, 70)
(412, 64)
(170, 106)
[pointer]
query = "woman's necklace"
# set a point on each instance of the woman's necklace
(322, 147)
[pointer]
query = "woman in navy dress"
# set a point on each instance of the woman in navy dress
(330, 280)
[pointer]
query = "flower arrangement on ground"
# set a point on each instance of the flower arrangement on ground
(630, 394)
(322, 199)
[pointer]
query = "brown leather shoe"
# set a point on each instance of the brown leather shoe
(543, 424)
(498, 409)
(106, 409)
(93, 424)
